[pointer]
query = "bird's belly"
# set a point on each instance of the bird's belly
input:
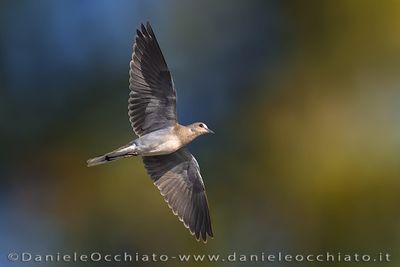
(163, 148)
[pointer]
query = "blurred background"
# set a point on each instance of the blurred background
(304, 97)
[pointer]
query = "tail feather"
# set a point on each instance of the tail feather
(122, 152)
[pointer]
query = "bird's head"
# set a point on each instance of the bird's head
(199, 128)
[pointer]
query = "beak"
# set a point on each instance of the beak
(210, 131)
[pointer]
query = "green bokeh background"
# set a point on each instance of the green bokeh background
(304, 97)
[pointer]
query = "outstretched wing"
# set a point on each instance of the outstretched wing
(178, 178)
(152, 100)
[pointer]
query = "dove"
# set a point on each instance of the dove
(161, 139)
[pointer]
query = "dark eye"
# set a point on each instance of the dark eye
(201, 125)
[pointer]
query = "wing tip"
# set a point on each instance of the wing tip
(145, 30)
(197, 234)
(138, 34)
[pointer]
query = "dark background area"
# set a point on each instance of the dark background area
(303, 96)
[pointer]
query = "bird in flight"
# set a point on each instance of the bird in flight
(161, 139)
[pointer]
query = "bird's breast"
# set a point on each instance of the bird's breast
(168, 147)
(158, 144)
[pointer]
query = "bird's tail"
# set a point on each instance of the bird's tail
(122, 152)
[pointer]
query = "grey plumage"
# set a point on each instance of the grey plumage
(161, 139)
(178, 178)
(122, 152)
(152, 100)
